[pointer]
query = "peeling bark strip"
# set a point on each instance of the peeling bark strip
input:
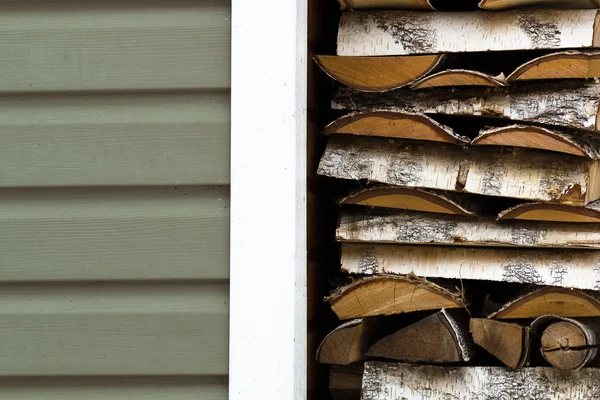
(568, 141)
(401, 4)
(562, 65)
(347, 343)
(519, 173)
(389, 294)
(378, 74)
(505, 4)
(442, 337)
(395, 125)
(459, 77)
(414, 199)
(562, 302)
(413, 227)
(572, 104)
(576, 269)
(389, 33)
(553, 212)
(507, 342)
(396, 381)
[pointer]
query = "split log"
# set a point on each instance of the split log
(562, 302)
(572, 104)
(562, 65)
(576, 142)
(392, 381)
(569, 344)
(508, 342)
(413, 227)
(389, 294)
(386, 4)
(414, 199)
(459, 77)
(553, 212)
(509, 172)
(378, 74)
(347, 343)
(345, 382)
(580, 269)
(394, 125)
(390, 33)
(442, 337)
(572, 4)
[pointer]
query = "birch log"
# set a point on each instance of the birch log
(580, 269)
(378, 74)
(553, 212)
(562, 302)
(561, 65)
(572, 104)
(389, 33)
(572, 4)
(520, 173)
(394, 125)
(508, 342)
(389, 294)
(401, 4)
(414, 199)
(442, 337)
(413, 227)
(396, 381)
(459, 77)
(570, 344)
(347, 343)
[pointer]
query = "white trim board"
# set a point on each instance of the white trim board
(268, 238)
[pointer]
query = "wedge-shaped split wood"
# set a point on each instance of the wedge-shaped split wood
(576, 142)
(413, 227)
(392, 381)
(345, 381)
(509, 172)
(400, 4)
(394, 125)
(562, 302)
(553, 212)
(347, 343)
(390, 294)
(378, 74)
(571, 104)
(508, 342)
(433, 201)
(389, 33)
(561, 65)
(580, 269)
(504, 4)
(459, 77)
(442, 337)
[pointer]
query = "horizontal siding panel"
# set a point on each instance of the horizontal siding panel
(133, 139)
(113, 234)
(130, 45)
(114, 329)
(114, 388)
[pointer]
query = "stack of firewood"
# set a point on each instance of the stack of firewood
(473, 138)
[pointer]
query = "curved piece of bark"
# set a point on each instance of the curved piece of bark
(580, 269)
(569, 344)
(571, 104)
(508, 172)
(414, 199)
(413, 227)
(561, 65)
(442, 337)
(345, 382)
(579, 143)
(390, 33)
(390, 294)
(506, 4)
(394, 125)
(458, 77)
(347, 343)
(386, 4)
(378, 74)
(562, 302)
(508, 342)
(392, 381)
(553, 212)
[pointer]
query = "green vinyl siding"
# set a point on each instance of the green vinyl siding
(114, 199)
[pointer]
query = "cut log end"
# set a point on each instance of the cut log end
(451, 78)
(561, 65)
(507, 342)
(565, 346)
(551, 213)
(347, 343)
(386, 4)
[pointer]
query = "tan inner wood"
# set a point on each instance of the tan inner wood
(565, 67)
(559, 345)
(405, 202)
(377, 73)
(560, 304)
(530, 138)
(401, 4)
(505, 341)
(455, 78)
(556, 216)
(344, 346)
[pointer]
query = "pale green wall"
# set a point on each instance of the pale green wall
(114, 199)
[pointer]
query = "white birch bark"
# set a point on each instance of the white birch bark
(379, 33)
(576, 269)
(413, 227)
(397, 381)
